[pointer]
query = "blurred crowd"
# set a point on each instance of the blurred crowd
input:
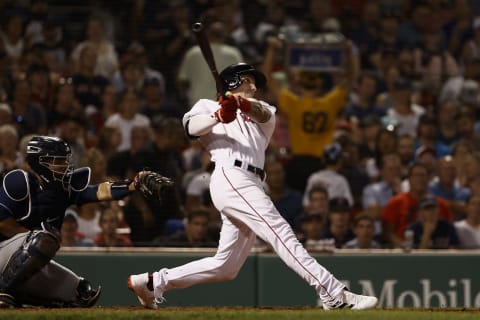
(391, 162)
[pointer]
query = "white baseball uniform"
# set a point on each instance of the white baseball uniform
(245, 208)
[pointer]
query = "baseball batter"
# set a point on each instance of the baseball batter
(236, 131)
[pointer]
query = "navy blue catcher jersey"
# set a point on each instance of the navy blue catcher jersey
(24, 199)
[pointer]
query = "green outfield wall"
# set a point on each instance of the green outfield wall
(420, 279)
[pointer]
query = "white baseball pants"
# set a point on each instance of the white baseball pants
(246, 211)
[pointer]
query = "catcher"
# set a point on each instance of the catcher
(32, 207)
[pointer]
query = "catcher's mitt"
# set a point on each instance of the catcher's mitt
(150, 183)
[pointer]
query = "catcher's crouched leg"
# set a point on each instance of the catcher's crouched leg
(86, 297)
(38, 249)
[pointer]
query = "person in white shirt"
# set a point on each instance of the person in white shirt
(127, 117)
(468, 229)
(335, 183)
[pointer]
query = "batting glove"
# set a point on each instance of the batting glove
(224, 116)
(230, 100)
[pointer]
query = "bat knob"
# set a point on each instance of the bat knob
(197, 27)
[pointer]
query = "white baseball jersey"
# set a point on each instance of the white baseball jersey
(241, 139)
(246, 211)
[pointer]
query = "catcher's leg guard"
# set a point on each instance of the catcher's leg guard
(38, 249)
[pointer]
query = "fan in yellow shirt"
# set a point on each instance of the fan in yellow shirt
(311, 114)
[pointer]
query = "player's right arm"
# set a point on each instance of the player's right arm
(200, 119)
(200, 124)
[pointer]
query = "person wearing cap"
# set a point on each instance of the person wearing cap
(430, 231)
(402, 209)
(311, 225)
(71, 237)
(338, 225)
(336, 184)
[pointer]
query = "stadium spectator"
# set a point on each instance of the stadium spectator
(154, 101)
(338, 225)
(195, 233)
(41, 89)
(108, 140)
(427, 136)
(376, 195)
(71, 129)
(12, 43)
(465, 123)
(71, 237)
(468, 229)
(311, 111)
(385, 142)
(287, 200)
(401, 210)
(87, 83)
(106, 59)
(404, 114)
(430, 231)
(118, 161)
(64, 101)
(127, 117)
(352, 170)
(109, 236)
(446, 113)
(5, 114)
(336, 184)
(10, 156)
(29, 117)
(446, 187)
(194, 76)
(364, 230)
(406, 151)
(311, 228)
(362, 101)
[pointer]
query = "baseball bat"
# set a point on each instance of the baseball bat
(201, 36)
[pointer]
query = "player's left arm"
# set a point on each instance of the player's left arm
(106, 191)
(257, 111)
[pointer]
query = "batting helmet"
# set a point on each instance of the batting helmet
(51, 159)
(230, 76)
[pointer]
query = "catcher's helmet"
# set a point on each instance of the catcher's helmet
(230, 76)
(51, 159)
